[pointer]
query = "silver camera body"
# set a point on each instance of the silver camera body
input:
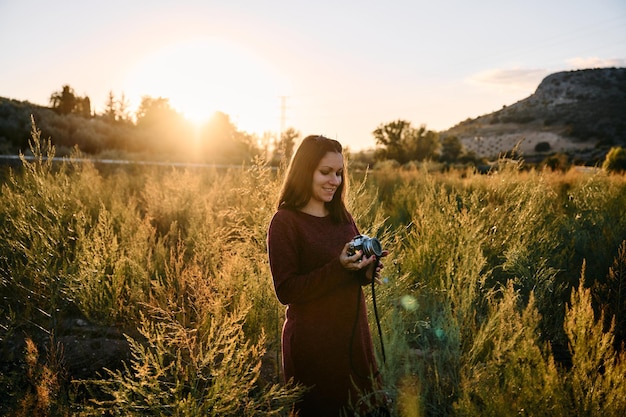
(368, 245)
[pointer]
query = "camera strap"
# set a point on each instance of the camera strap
(356, 322)
(380, 331)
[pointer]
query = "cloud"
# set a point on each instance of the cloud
(595, 62)
(510, 79)
(524, 79)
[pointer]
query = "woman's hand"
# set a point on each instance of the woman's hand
(357, 262)
(354, 262)
(370, 271)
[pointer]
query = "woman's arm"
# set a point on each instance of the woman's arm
(290, 284)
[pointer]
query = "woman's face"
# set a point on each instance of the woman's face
(327, 177)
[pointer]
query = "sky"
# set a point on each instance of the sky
(337, 68)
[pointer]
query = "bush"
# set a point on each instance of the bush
(615, 160)
(542, 147)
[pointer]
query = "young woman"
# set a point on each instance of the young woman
(326, 342)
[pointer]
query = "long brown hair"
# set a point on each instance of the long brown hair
(297, 187)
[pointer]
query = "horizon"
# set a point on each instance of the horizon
(338, 69)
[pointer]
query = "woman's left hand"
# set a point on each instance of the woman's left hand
(370, 271)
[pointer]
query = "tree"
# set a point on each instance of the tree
(63, 101)
(392, 136)
(557, 162)
(110, 108)
(66, 102)
(156, 112)
(165, 128)
(116, 110)
(265, 142)
(543, 147)
(615, 160)
(123, 114)
(404, 143)
(451, 149)
(285, 146)
(423, 144)
(83, 106)
(222, 143)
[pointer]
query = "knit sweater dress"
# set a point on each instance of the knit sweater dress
(326, 341)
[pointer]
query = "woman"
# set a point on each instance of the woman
(326, 342)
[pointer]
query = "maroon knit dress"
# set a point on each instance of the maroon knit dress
(326, 339)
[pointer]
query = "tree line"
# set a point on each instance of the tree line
(156, 129)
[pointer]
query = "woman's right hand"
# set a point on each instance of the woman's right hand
(354, 262)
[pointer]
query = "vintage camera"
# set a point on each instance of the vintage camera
(369, 245)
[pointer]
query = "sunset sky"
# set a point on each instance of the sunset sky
(339, 68)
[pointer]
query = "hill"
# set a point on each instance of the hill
(580, 113)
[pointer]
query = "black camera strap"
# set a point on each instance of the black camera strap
(356, 322)
(380, 331)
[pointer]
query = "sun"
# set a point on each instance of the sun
(202, 76)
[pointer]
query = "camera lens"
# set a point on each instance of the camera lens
(372, 246)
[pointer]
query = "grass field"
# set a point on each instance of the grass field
(504, 293)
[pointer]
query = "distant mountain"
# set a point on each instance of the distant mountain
(580, 113)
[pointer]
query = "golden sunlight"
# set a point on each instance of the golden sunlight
(202, 76)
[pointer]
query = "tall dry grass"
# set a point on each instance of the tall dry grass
(486, 282)
(502, 296)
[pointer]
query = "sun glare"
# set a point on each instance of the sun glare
(202, 76)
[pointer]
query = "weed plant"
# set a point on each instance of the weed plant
(503, 294)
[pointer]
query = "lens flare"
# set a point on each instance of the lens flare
(440, 333)
(408, 302)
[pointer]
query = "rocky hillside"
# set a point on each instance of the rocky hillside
(580, 113)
